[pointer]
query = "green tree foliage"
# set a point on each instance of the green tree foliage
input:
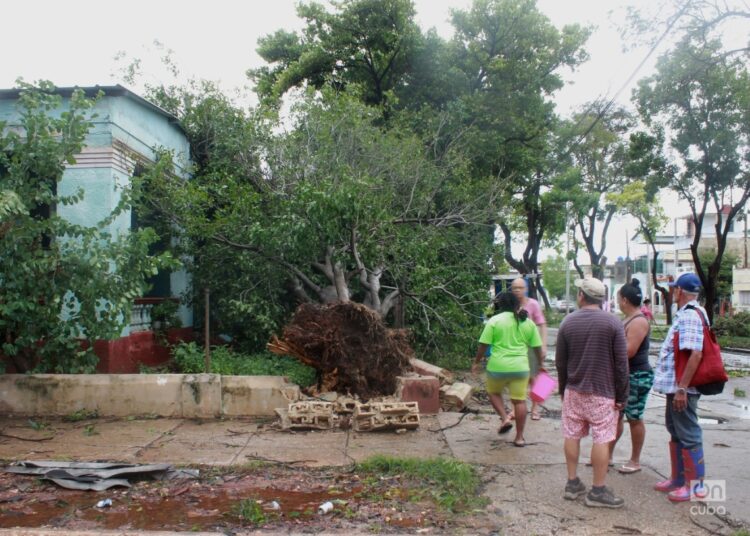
(344, 210)
(703, 96)
(367, 43)
(63, 283)
(553, 272)
(508, 59)
(598, 148)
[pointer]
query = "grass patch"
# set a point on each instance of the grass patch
(81, 415)
(659, 333)
(451, 484)
(37, 425)
(729, 341)
(738, 373)
(249, 511)
(90, 430)
(739, 393)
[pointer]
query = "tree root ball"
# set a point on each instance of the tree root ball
(350, 345)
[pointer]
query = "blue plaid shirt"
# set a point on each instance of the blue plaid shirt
(690, 327)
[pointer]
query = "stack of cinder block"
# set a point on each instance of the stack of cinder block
(310, 415)
(382, 416)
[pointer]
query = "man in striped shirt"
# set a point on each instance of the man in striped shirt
(592, 370)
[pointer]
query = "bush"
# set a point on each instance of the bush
(189, 359)
(737, 325)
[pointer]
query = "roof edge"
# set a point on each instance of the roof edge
(109, 91)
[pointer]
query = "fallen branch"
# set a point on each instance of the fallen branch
(3, 434)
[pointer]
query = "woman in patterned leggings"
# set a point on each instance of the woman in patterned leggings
(637, 330)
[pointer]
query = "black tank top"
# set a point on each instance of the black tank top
(639, 362)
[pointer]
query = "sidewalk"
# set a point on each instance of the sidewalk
(524, 484)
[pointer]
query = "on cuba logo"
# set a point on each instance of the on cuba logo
(706, 493)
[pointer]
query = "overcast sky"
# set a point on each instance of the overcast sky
(74, 42)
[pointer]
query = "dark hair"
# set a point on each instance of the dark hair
(506, 302)
(632, 292)
(646, 301)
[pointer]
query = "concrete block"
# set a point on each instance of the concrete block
(256, 395)
(455, 397)
(310, 415)
(423, 368)
(115, 395)
(424, 390)
(165, 395)
(382, 416)
(201, 396)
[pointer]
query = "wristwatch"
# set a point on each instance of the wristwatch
(681, 391)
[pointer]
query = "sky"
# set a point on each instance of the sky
(76, 42)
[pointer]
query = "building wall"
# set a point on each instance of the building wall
(123, 132)
(741, 289)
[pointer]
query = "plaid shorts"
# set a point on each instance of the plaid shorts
(640, 385)
(582, 411)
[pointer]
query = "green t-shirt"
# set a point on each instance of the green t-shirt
(510, 342)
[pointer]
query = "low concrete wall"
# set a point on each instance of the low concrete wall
(165, 395)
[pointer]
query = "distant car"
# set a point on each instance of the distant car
(562, 306)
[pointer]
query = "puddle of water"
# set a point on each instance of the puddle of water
(197, 509)
(711, 420)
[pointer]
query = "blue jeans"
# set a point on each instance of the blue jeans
(683, 425)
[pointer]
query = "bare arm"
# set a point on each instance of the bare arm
(481, 351)
(680, 399)
(543, 336)
(635, 332)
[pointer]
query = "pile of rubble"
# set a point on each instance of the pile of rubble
(361, 417)
(427, 389)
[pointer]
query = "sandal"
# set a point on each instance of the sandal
(521, 443)
(505, 428)
(627, 468)
(535, 416)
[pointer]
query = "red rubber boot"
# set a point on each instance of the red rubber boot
(677, 479)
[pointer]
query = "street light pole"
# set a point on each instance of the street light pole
(567, 260)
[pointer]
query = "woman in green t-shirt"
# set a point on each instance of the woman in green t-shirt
(510, 335)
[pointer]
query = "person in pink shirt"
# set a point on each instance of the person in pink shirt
(532, 307)
(646, 311)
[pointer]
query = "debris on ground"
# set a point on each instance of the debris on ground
(263, 497)
(362, 417)
(428, 369)
(96, 476)
(349, 345)
(456, 396)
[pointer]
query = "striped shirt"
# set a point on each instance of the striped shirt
(690, 327)
(591, 355)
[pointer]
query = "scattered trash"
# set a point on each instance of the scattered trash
(273, 505)
(401, 431)
(325, 507)
(104, 503)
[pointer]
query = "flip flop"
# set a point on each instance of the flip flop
(505, 428)
(535, 416)
(628, 469)
(521, 443)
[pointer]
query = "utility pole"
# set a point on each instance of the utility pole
(744, 239)
(567, 259)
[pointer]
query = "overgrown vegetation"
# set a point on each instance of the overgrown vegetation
(189, 358)
(453, 485)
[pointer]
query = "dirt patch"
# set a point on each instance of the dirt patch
(349, 345)
(228, 501)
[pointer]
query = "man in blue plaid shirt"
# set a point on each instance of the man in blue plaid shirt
(686, 445)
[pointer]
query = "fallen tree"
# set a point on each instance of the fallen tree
(350, 347)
